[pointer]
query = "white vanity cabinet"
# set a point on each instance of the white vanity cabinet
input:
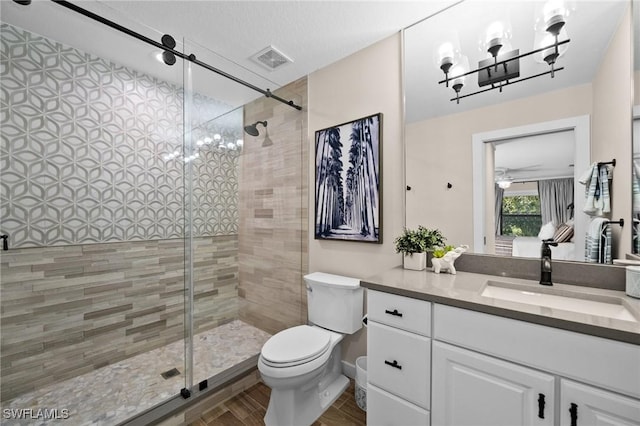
(430, 363)
(474, 389)
(586, 405)
(398, 360)
(498, 367)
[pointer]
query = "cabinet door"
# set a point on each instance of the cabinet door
(472, 389)
(583, 405)
(385, 409)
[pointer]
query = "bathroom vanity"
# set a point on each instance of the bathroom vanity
(474, 349)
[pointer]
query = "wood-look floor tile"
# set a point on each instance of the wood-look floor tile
(214, 413)
(242, 405)
(226, 419)
(260, 393)
(334, 417)
(351, 409)
(249, 408)
(256, 418)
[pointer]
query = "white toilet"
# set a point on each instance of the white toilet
(302, 365)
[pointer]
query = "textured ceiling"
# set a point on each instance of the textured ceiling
(226, 34)
(313, 33)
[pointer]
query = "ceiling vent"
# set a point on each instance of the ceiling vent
(271, 58)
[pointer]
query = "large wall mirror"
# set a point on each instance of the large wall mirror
(635, 172)
(513, 111)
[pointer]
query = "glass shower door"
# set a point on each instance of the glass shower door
(92, 284)
(219, 343)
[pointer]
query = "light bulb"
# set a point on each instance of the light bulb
(497, 38)
(445, 56)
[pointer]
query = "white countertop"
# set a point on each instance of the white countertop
(464, 290)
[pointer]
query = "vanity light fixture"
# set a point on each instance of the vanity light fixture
(502, 68)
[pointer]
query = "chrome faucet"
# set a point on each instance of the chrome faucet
(545, 262)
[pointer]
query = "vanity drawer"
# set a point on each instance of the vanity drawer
(399, 311)
(399, 362)
(601, 362)
(385, 409)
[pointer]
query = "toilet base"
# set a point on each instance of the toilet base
(299, 408)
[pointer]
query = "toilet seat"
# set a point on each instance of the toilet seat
(295, 346)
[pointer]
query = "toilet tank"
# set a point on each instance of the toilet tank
(334, 302)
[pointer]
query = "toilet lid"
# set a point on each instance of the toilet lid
(296, 345)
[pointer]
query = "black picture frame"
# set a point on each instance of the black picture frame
(348, 196)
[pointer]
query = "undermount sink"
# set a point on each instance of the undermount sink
(602, 306)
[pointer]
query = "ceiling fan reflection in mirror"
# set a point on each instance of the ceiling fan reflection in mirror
(504, 178)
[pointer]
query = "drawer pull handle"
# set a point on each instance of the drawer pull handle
(393, 364)
(395, 313)
(541, 405)
(574, 414)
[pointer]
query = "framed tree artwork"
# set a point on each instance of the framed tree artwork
(347, 190)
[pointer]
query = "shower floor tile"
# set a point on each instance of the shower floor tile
(116, 392)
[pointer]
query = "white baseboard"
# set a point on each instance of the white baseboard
(349, 369)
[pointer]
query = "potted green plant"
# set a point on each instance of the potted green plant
(414, 244)
(439, 252)
(433, 239)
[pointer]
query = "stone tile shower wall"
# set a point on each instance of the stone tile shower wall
(67, 310)
(94, 273)
(273, 245)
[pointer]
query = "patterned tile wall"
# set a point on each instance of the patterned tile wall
(83, 151)
(68, 310)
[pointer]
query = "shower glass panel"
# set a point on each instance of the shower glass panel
(222, 345)
(152, 244)
(92, 286)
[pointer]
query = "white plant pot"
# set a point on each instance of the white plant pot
(416, 261)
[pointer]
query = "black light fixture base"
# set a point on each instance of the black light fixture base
(555, 24)
(494, 47)
(489, 74)
(503, 84)
(446, 64)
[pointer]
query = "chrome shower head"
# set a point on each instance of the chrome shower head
(253, 128)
